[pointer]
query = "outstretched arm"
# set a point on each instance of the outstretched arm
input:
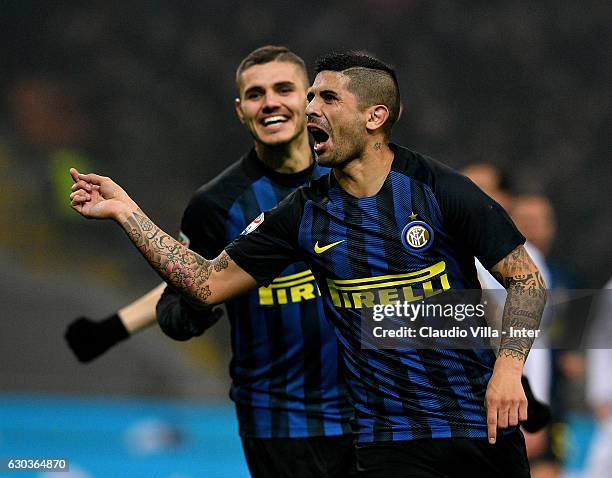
(505, 399)
(140, 314)
(200, 280)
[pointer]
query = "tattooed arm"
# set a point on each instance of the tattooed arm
(202, 281)
(524, 304)
(505, 399)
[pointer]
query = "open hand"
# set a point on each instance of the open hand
(99, 197)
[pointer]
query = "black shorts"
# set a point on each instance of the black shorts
(316, 457)
(444, 458)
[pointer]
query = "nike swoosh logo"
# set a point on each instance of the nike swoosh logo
(320, 249)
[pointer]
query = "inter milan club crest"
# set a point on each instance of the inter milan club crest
(417, 236)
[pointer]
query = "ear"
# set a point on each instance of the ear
(377, 116)
(238, 109)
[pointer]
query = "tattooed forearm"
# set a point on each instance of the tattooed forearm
(524, 304)
(221, 262)
(182, 268)
(521, 320)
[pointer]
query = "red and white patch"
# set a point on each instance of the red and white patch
(254, 225)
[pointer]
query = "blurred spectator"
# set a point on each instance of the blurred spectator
(492, 180)
(533, 215)
(599, 388)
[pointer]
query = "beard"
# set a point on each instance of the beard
(347, 146)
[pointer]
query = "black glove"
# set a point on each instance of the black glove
(89, 339)
(538, 413)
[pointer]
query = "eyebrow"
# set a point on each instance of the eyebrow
(279, 84)
(252, 88)
(311, 91)
(329, 92)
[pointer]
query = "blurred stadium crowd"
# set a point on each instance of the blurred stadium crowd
(144, 93)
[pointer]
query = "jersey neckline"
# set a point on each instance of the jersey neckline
(258, 168)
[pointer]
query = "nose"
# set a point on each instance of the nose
(312, 109)
(271, 102)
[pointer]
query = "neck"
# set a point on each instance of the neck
(287, 158)
(364, 176)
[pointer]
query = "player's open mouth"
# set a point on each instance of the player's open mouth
(320, 136)
(272, 121)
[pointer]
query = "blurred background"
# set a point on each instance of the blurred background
(143, 92)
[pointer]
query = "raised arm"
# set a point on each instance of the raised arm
(200, 280)
(505, 399)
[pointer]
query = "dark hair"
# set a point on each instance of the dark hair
(372, 81)
(267, 54)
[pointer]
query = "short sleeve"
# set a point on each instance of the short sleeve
(479, 223)
(269, 244)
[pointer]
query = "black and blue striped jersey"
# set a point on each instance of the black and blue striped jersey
(416, 237)
(284, 369)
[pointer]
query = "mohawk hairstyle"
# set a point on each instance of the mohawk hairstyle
(371, 81)
(267, 54)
